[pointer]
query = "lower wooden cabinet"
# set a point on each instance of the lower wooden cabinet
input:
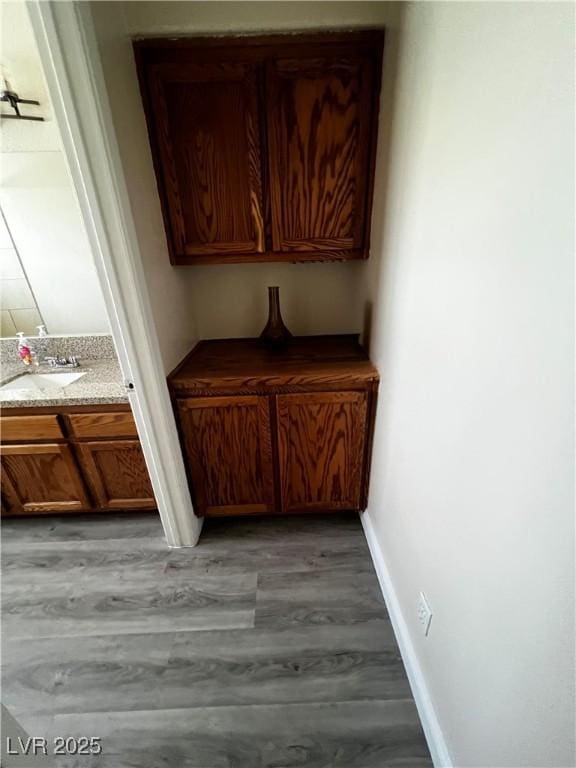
(229, 448)
(41, 478)
(321, 438)
(276, 431)
(116, 474)
(64, 469)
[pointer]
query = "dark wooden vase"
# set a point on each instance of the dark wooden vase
(275, 332)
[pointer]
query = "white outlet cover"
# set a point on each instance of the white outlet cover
(424, 613)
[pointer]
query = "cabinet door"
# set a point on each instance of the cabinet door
(204, 118)
(41, 478)
(117, 475)
(319, 115)
(229, 450)
(321, 439)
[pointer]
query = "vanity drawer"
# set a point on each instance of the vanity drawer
(25, 428)
(113, 424)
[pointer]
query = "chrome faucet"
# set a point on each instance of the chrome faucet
(62, 362)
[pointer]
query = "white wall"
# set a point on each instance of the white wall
(188, 17)
(472, 478)
(20, 65)
(169, 292)
(42, 212)
(37, 197)
(223, 300)
(470, 281)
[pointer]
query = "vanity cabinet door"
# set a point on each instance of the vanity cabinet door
(228, 445)
(319, 114)
(204, 124)
(321, 446)
(116, 473)
(41, 478)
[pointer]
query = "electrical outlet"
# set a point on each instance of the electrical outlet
(424, 613)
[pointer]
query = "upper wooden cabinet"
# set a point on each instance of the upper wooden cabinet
(264, 147)
(206, 118)
(319, 121)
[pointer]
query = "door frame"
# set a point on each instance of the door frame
(71, 61)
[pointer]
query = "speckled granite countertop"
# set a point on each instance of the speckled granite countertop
(102, 381)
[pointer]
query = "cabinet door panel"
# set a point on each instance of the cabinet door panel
(41, 478)
(205, 118)
(321, 450)
(319, 117)
(229, 449)
(117, 474)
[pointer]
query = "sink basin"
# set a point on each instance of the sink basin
(42, 381)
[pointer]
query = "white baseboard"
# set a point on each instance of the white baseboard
(428, 717)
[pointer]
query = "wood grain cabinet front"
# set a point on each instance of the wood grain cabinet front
(321, 439)
(41, 478)
(73, 460)
(319, 119)
(28, 428)
(105, 424)
(300, 442)
(264, 147)
(206, 118)
(228, 444)
(116, 474)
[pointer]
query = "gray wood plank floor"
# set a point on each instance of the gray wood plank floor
(267, 646)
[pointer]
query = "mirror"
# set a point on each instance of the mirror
(19, 308)
(47, 274)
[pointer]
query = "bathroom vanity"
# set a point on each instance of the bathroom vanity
(72, 459)
(276, 430)
(71, 447)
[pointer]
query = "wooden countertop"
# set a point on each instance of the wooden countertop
(250, 364)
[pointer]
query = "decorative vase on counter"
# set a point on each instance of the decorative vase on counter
(275, 332)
